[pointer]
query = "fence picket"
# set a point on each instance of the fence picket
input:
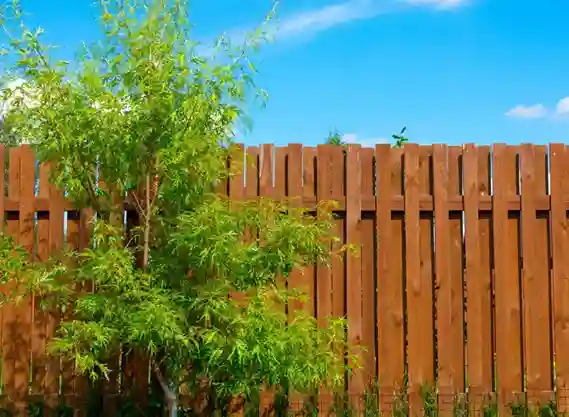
(354, 306)
(506, 278)
(390, 285)
(535, 277)
(368, 264)
(447, 347)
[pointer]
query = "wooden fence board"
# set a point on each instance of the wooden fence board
(447, 346)
(40, 319)
(415, 287)
(367, 260)
(252, 172)
(457, 286)
(17, 318)
(297, 278)
(535, 278)
(478, 283)
(390, 285)
(486, 274)
(324, 306)
(559, 228)
(507, 283)
(353, 262)
(236, 193)
(338, 184)
(45, 322)
(266, 189)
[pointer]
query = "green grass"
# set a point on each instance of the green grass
(342, 406)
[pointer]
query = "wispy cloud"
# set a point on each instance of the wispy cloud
(313, 21)
(324, 18)
(438, 4)
(537, 111)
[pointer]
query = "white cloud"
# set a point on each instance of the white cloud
(562, 108)
(438, 4)
(536, 111)
(310, 22)
(365, 142)
(317, 20)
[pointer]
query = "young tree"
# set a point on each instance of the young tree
(144, 112)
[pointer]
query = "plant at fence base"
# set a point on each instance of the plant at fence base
(144, 112)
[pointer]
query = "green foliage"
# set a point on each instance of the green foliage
(143, 110)
(334, 138)
(400, 139)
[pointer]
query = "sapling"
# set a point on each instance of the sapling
(147, 115)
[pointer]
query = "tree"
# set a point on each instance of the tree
(144, 112)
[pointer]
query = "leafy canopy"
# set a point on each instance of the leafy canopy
(145, 112)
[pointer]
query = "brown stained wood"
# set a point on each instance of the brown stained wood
(491, 239)
(559, 158)
(252, 172)
(506, 276)
(40, 318)
(324, 306)
(415, 288)
(46, 367)
(266, 181)
(535, 278)
(309, 166)
(477, 245)
(297, 278)
(237, 169)
(17, 318)
(324, 276)
(337, 190)
(280, 172)
(309, 190)
(354, 307)
(26, 239)
(486, 272)
(390, 259)
(55, 245)
(266, 189)
(367, 260)
(426, 203)
(543, 267)
(456, 256)
(426, 303)
(447, 346)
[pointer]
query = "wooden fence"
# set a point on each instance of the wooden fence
(462, 279)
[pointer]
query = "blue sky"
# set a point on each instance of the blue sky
(453, 71)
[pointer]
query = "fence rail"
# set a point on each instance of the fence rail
(462, 279)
